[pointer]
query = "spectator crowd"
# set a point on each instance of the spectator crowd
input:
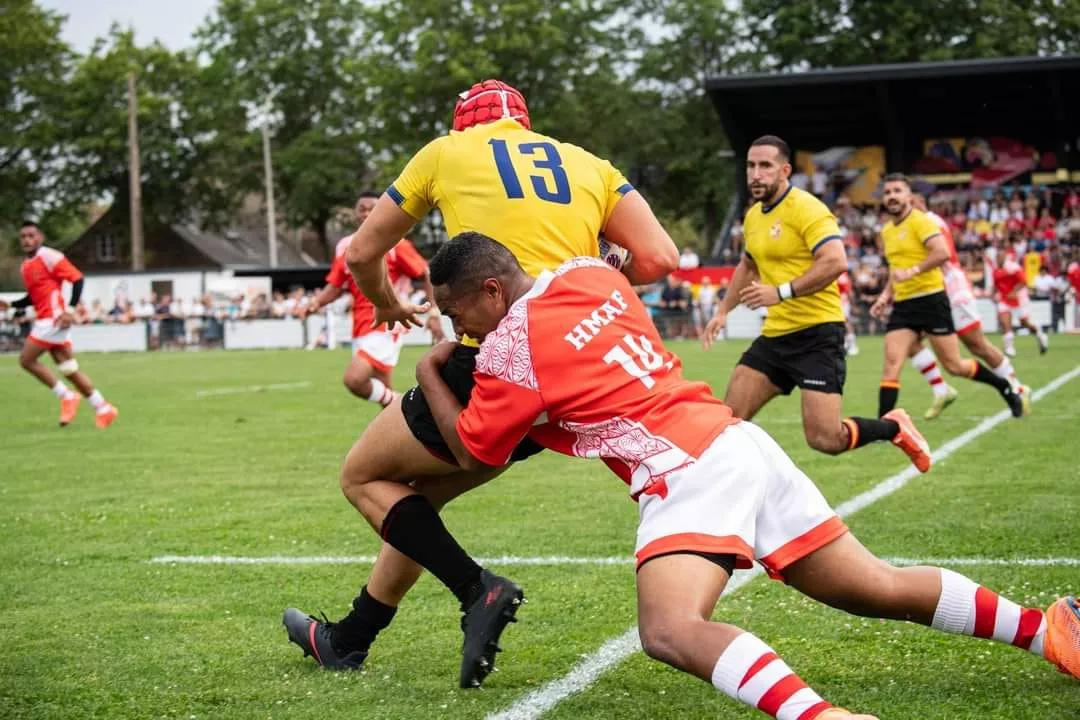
(1040, 226)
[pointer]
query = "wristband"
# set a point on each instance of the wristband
(787, 291)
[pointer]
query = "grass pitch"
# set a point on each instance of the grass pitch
(202, 462)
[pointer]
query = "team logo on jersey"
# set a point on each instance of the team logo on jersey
(775, 230)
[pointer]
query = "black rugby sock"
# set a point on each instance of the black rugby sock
(863, 431)
(415, 529)
(358, 629)
(888, 394)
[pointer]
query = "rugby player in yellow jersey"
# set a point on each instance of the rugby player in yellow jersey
(547, 201)
(915, 251)
(794, 254)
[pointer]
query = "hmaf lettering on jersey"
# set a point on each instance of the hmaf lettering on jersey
(598, 319)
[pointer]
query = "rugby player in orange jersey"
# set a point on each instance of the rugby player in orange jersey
(572, 359)
(548, 201)
(1014, 303)
(44, 270)
(376, 348)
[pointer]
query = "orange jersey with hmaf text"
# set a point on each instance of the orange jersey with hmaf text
(579, 358)
(402, 262)
(43, 274)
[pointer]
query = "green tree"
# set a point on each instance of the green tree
(33, 68)
(686, 151)
(299, 55)
(183, 175)
(828, 33)
(564, 56)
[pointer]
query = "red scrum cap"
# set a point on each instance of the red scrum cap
(489, 101)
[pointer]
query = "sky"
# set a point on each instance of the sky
(171, 21)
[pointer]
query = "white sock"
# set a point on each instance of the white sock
(1010, 339)
(849, 340)
(98, 402)
(1005, 372)
(61, 390)
(380, 393)
(967, 608)
(748, 670)
(925, 362)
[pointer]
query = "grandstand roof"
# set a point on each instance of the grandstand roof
(1029, 99)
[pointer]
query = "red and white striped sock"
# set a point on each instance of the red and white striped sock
(967, 608)
(925, 362)
(749, 671)
(380, 393)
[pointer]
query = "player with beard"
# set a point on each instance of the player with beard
(794, 255)
(968, 327)
(915, 251)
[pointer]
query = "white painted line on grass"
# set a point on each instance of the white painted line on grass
(974, 561)
(210, 392)
(614, 651)
(942, 419)
(502, 560)
(565, 560)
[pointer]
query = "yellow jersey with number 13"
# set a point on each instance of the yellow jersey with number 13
(546, 201)
(781, 239)
(905, 247)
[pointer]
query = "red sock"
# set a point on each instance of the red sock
(967, 608)
(749, 671)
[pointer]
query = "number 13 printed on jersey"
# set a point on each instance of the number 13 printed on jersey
(548, 160)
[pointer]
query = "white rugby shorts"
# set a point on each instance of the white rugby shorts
(48, 333)
(965, 314)
(1020, 311)
(745, 497)
(381, 348)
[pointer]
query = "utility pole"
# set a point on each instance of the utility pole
(268, 171)
(135, 178)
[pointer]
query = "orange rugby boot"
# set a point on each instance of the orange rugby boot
(68, 407)
(107, 418)
(1062, 642)
(910, 440)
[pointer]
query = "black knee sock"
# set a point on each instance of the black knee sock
(414, 529)
(888, 394)
(987, 376)
(357, 630)
(863, 431)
